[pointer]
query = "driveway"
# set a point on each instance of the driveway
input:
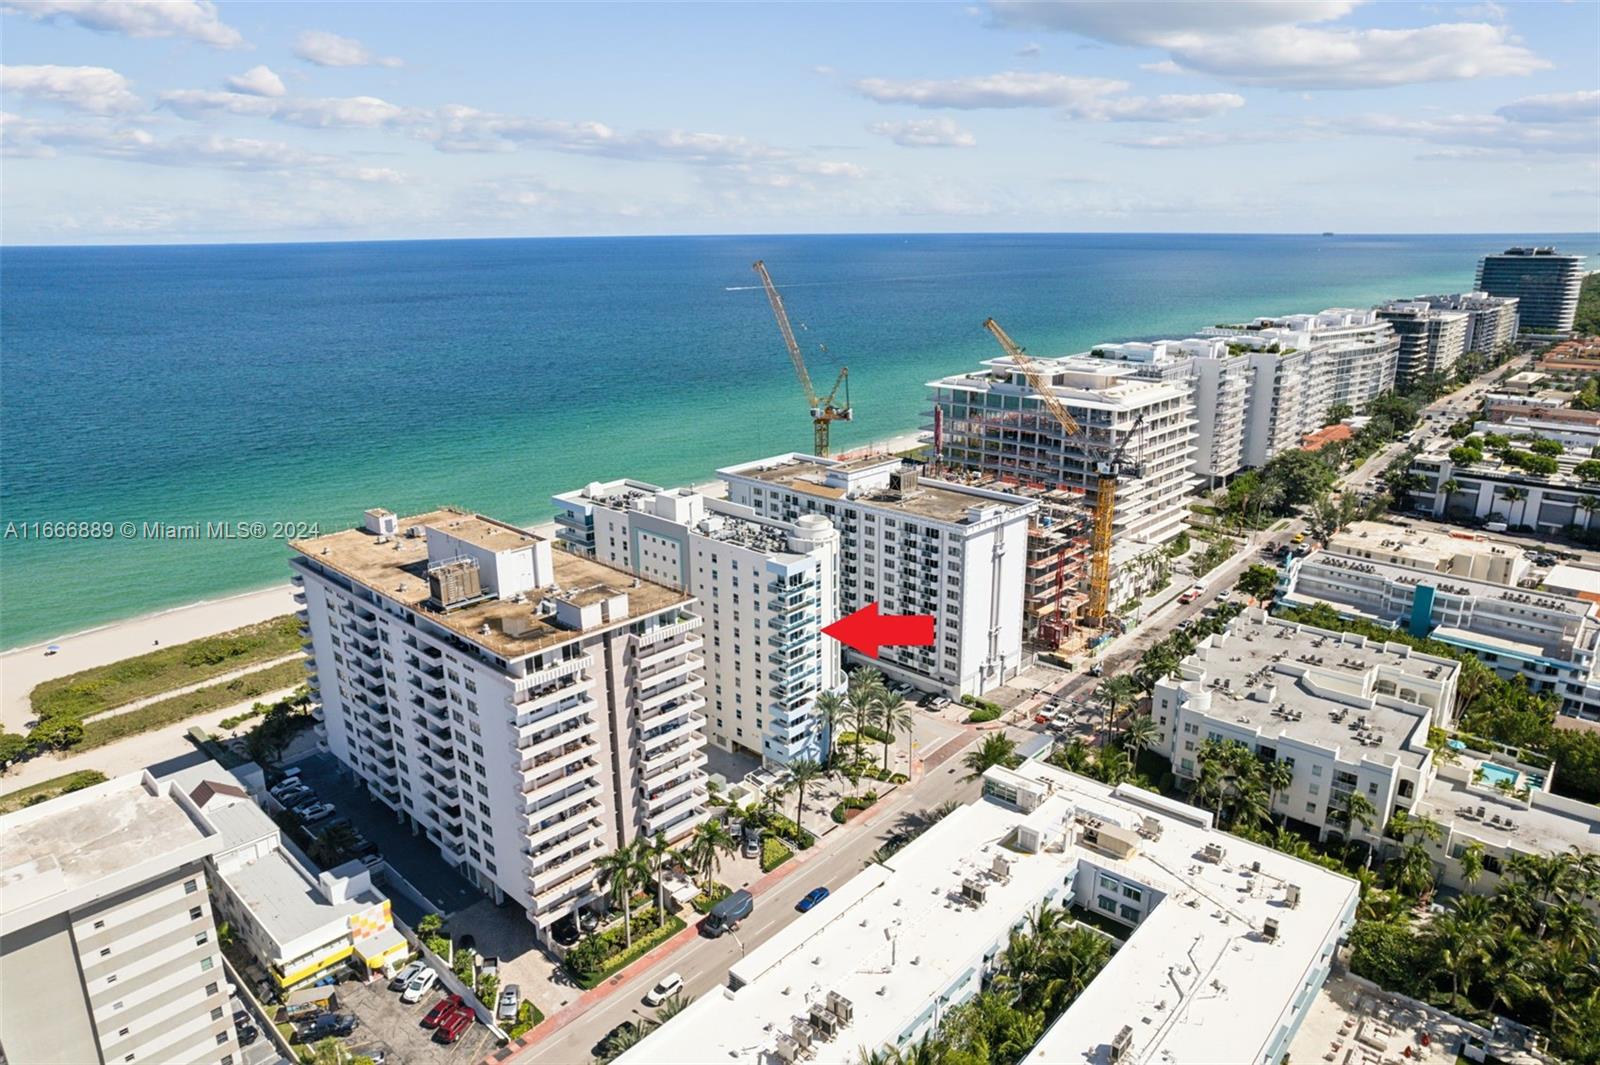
(414, 857)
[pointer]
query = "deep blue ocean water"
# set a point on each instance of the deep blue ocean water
(303, 383)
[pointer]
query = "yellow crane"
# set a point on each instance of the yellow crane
(1105, 499)
(824, 411)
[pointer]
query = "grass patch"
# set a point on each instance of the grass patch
(646, 938)
(93, 691)
(528, 1015)
(983, 714)
(774, 852)
(13, 801)
(182, 707)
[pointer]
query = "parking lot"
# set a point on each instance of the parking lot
(413, 857)
(395, 1027)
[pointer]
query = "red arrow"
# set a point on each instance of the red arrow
(866, 630)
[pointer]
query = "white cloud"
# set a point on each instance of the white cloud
(258, 81)
(1009, 89)
(331, 50)
(1486, 131)
(1196, 138)
(831, 168)
(1583, 106)
(98, 90)
(1165, 66)
(1489, 11)
(194, 19)
(1166, 108)
(925, 133)
(1276, 42)
(336, 112)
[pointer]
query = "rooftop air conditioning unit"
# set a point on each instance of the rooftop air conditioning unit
(1213, 852)
(1291, 895)
(1269, 929)
(1122, 1045)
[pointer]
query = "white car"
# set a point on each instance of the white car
(670, 985)
(316, 812)
(420, 985)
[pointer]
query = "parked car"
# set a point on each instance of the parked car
(442, 1010)
(248, 1033)
(1298, 538)
(451, 1028)
(752, 845)
(728, 913)
(814, 896)
(325, 1026)
(420, 985)
(316, 812)
(668, 986)
(294, 796)
(370, 860)
(1192, 593)
(603, 1048)
(510, 1002)
(403, 977)
(291, 784)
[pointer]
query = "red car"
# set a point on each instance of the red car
(450, 1029)
(442, 1011)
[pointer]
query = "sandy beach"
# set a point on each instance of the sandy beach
(23, 668)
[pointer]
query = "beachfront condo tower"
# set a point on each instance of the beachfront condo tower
(1545, 282)
(527, 710)
(766, 588)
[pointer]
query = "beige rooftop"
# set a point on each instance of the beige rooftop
(396, 567)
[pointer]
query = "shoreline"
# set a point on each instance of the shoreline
(25, 666)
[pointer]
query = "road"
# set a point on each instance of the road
(704, 962)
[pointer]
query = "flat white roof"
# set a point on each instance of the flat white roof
(286, 901)
(1573, 580)
(897, 937)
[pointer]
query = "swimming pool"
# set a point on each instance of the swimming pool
(1493, 773)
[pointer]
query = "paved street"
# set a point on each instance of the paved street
(704, 962)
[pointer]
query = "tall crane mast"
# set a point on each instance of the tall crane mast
(1105, 499)
(824, 411)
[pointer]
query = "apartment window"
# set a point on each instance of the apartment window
(1108, 905)
(105, 952)
(211, 989)
(121, 1032)
(111, 979)
(216, 1013)
(222, 1038)
(189, 888)
(227, 1059)
(194, 913)
(206, 964)
(99, 925)
(118, 1005)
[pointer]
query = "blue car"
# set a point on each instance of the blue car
(814, 896)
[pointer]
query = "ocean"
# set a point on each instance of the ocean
(296, 385)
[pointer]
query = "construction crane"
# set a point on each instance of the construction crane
(1107, 467)
(824, 411)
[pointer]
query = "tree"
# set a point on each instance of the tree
(656, 853)
(674, 1005)
(705, 849)
(488, 985)
(996, 749)
(1472, 862)
(806, 774)
(1140, 734)
(13, 748)
(1277, 777)
(1513, 494)
(1116, 694)
(1258, 582)
(832, 712)
(1337, 413)
(333, 845)
(1356, 809)
(897, 717)
(867, 693)
(329, 1051)
(619, 873)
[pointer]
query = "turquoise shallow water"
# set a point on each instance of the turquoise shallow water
(302, 383)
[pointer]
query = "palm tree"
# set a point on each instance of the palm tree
(1113, 766)
(996, 749)
(1472, 863)
(1413, 870)
(1449, 487)
(1588, 504)
(1277, 776)
(333, 845)
(1513, 494)
(805, 773)
(1072, 756)
(867, 693)
(832, 711)
(710, 841)
(654, 853)
(619, 873)
(1140, 734)
(896, 717)
(673, 1006)
(1357, 809)
(1505, 967)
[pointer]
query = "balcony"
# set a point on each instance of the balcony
(531, 730)
(676, 822)
(552, 674)
(658, 759)
(684, 686)
(561, 837)
(540, 832)
(557, 894)
(674, 791)
(686, 624)
(645, 661)
(537, 697)
(579, 862)
(543, 747)
(653, 741)
(564, 795)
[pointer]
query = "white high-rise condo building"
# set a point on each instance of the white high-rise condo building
(1304, 365)
(766, 589)
(913, 545)
(1545, 282)
(1491, 320)
(1432, 340)
(527, 710)
(992, 423)
(108, 946)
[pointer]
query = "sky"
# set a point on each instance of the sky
(127, 121)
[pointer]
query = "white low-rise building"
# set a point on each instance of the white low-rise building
(1492, 490)
(1227, 941)
(1345, 713)
(766, 588)
(913, 545)
(524, 709)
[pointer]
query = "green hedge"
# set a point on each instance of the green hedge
(774, 852)
(982, 706)
(852, 802)
(703, 902)
(113, 727)
(49, 789)
(982, 714)
(92, 691)
(646, 937)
